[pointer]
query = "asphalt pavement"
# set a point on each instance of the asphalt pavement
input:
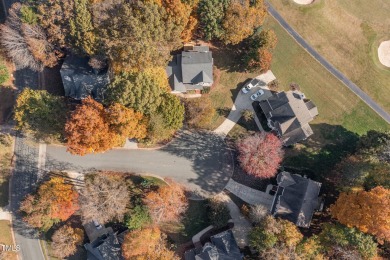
(199, 160)
(24, 179)
(352, 86)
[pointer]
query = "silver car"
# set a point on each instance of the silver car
(253, 83)
(257, 94)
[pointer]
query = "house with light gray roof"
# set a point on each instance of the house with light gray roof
(191, 70)
(288, 114)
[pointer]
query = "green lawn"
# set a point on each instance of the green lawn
(5, 163)
(195, 220)
(347, 33)
(6, 238)
(337, 105)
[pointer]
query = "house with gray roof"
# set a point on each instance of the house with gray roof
(105, 244)
(191, 70)
(80, 80)
(288, 114)
(296, 198)
(223, 246)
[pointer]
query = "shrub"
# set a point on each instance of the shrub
(139, 217)
(257, 213)
(219, 213)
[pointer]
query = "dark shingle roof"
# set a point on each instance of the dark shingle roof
(80, 80)
(106, 247)
(223, 246)
(299, 198)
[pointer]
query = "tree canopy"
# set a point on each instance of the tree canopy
(65, 241)
(104, 198)
(368, 211)
(40, 113)
(167, 204)
(260, 154)
(148, 243)
(55, 201)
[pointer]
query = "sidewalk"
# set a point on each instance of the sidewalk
(242, 226)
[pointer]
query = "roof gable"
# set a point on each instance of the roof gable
(298, 199)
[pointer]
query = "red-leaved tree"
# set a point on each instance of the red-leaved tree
(260, 154)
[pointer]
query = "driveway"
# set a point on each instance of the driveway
(243, 101)
(199, 160)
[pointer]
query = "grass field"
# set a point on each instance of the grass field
(5, 163)
(6, 238)
(347, 33)
(337, 105)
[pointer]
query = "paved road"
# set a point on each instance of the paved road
(352, 86)
(199, 160)
(24, 178)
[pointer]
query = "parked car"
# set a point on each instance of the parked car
(257, 94)
(253, 83)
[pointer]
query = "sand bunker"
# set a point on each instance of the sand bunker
(384, 53)
(304, 2)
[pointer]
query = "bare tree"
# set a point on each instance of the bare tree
(26, 44)
(105, 197)
(257, 213)
(65, 240)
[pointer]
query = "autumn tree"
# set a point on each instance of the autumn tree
(40, 113)
(54, 17)
(104, 198)
(211, 14)
(125, 123)
(81, 28)
(141, 91)
(273, 232)
(310, 248)
(375, 146)
(26, 43)
(65, 241)
(259, 48)
(132, 40)
(260, 154)
(172, 111)
(368, 211)
(87, 130)
(55, 201)
(157, 129)
(168, 203)
(241, 19)
(199, 112)
(148, 243)
(336, 238)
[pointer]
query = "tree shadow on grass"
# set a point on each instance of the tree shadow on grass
(228, 57)
(318, 155)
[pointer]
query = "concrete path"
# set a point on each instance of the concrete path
(335, 72)
(243, 102)
(249, 195)
(242, 226)
(5, 214)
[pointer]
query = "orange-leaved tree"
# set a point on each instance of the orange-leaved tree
(148, 243)
(93, 129)
(86, 129)
(260, 154)
(55, 201)
(368, 211)
(125, 122)
(167, 203)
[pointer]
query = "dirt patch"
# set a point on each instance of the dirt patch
(384, 53)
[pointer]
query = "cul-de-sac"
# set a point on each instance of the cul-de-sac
(194, 129)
